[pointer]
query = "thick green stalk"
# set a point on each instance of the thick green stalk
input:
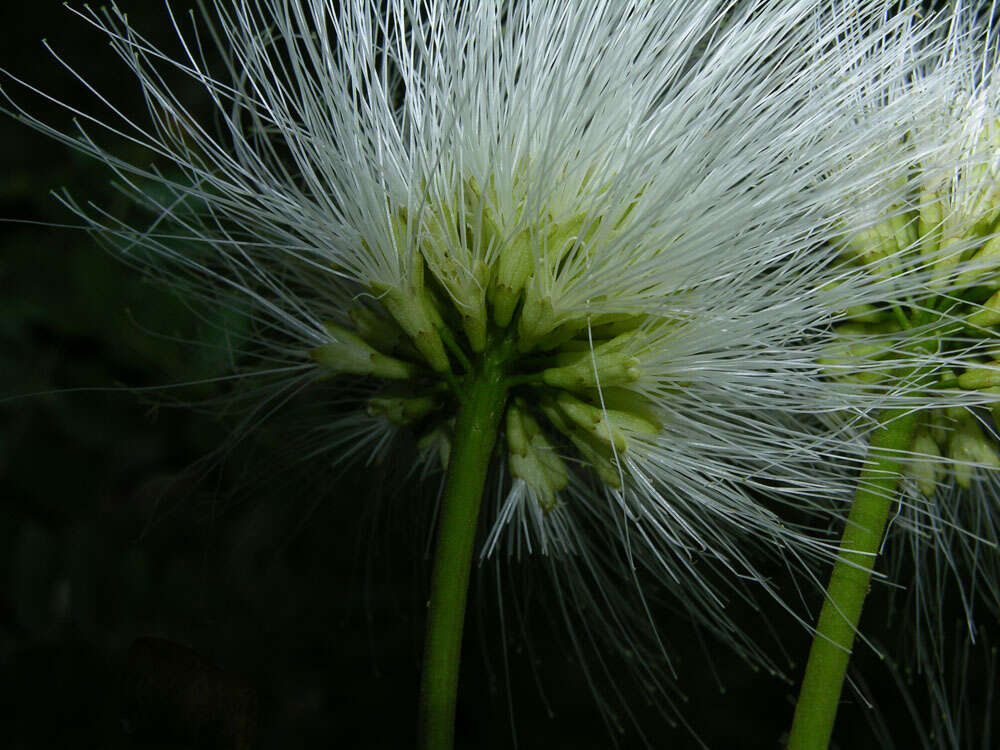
(849, 582)
(476, 428)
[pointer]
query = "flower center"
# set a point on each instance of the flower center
(475, 279)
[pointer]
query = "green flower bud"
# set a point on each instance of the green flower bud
(926, 469)
(606, 366)
(985, 264)
(969, 448)
(445, 248)
(382, 333)
(977, 378)
(538, 317)
(409, 306)
(533, 458)
(606, 425)
(512, 270)
(402, 409)
(864, 313)
(988, 314)
(854, 345)
(594, 452)
(930, 221)
(353, 355)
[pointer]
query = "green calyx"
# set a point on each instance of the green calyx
(571, 377)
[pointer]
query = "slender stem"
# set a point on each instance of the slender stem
(476, 429)
(849, 581)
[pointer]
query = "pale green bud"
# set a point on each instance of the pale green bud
(862, 378)
(514, 260)
(353, 355)
(402, 409)
(899, 231)
(533, 458)
(927, 469)
(593, 451)
(590, 418)
(939, 427)
(988, 314)
(874, 245)
(382, 333)
(986, 262)
(607, 425)
(446, 253)
(947, 257)
(632, 402)
(984, 208)
(565, 234)
(605, 367)
(538, 317)
(866, 245)
(409, 306)
(602, 326)
(969, 447)
(472, 307)
(512, 269)
(852, 345)
(977, 378)
(560, 337)
(864, 313)
(612, 325)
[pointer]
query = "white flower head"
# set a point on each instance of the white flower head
(925, 337)
(625, 205)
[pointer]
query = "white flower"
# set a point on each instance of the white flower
(932, 268)
(925, 336)
(631, 201)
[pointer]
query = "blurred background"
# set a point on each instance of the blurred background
(136, 560)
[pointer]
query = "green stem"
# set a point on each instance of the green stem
(476, 428)
(849, 582)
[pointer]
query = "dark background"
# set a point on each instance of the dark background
(119, 520)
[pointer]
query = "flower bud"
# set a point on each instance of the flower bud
(533, 458)
(538, 316)
(402, 409)
(970, 449)
(382, 333)
(512, 269)
(410, 309)
(605, 366)
(350, 354)
(598, 455)
(977, 378)
(988, 314)
(925, 469)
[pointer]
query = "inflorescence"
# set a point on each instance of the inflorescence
(569, 375)
(939, 253)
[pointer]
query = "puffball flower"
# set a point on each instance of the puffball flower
(616, 206)
(936, 262)
(926, 341)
